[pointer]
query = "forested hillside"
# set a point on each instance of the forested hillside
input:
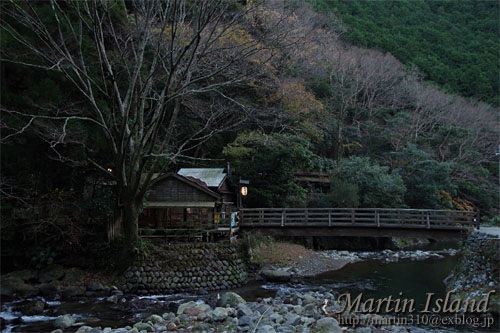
(453, 43)
(108, 94)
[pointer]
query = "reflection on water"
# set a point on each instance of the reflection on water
(377, 280)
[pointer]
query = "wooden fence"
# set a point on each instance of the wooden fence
(359, 217)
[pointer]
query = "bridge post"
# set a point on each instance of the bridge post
(283, 217)
(428, 221)
(353, 216)
(329, 218)
(377, 218)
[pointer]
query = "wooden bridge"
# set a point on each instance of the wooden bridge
(359, 222)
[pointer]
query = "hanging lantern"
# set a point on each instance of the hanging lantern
(244, 191)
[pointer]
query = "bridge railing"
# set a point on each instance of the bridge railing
(360, 217)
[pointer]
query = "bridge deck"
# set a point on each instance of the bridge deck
(376, 222)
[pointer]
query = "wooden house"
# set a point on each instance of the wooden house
(197, 200)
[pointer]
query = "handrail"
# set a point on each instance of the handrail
(360, 217)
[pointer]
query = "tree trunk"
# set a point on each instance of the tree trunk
(130, 223)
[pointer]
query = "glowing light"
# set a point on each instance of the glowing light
(244, 191)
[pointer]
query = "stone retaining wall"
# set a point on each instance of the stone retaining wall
(477, 270)
(187, 267)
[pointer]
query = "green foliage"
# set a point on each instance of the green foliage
(453, 42)
(425, 179)
(343, 194)
(493, 221)
(269, 162)
(376, 186)
(480, 188)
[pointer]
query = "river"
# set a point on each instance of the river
(374, 278)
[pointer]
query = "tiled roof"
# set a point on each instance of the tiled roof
(212, 177)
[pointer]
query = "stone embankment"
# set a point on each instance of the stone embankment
(477, 271)
(196, 267)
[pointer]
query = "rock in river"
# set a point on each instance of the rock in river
(64, 322)
(231, 299)
(275, 275)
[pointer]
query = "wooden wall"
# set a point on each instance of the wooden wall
(175, 217)
(174, 190)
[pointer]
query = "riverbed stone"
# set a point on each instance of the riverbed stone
(294, 320)
(219, 314)
(308, 299)
(186, 305)
(232, 299)
(155, 319)
(141, 326)
(64, 321)
(329, 325)
(244, 310)
(197, 309)
(245, 321)
(277, 318)
(266, 329)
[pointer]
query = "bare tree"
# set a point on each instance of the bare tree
(146, 60)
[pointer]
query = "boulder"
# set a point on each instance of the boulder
(25, 275)
(51, 273)
(95, 287)
(33, 308)
(190, 304)
(275, 275)
(72, 276)
(196, 310)
(17, 287)
(64, 322)
(112, 299)
(231, 299)
(49, 289)
(72, 291)
(329, 325)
